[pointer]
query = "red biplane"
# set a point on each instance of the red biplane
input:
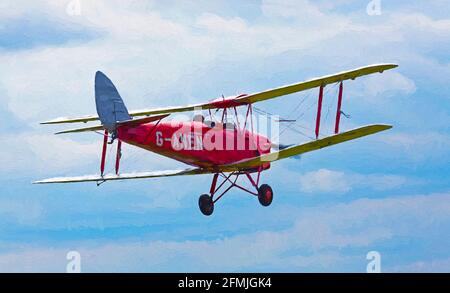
(201, 142)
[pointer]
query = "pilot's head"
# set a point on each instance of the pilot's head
(199, 118)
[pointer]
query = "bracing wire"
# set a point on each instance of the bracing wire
(330, 105)
(294, 125)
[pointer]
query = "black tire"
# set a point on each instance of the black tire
(206, 204)
(265, 195)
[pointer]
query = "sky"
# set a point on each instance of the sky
(388, 193)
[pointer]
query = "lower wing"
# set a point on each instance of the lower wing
(235, 167)
(305, 148)
(114, 177)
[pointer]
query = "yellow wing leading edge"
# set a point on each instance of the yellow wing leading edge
(316, 82)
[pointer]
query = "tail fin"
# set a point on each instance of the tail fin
(110, 106)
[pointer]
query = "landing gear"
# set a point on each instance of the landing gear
(206, 204)
(265, 195)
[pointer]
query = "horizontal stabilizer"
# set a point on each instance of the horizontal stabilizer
(129, 176)
(131, 123)
(83, 129)
(139, 121)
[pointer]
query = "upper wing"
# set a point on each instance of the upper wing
(315, 82)
(247, 99)
(113, 177)
(143, 112)
(304, 148)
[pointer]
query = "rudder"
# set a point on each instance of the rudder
(110, 106)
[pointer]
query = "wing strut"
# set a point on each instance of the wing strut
(338, 111)
(319, 111)
(104, 150)
(118, 155)
(105, 147)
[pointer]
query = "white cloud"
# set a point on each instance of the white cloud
(314, 243)
(423, 22)
(41, 154)
(412, 141)
(329, 181)
(436, 265)
(418, 147)
(24, 211)
(302, 11)
(142, 48)
(378, 85)
(217, 24)
(324, 181)
(50, 155)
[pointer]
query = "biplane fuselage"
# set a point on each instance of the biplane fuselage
(196, 143)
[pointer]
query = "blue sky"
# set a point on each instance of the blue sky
(389, 193)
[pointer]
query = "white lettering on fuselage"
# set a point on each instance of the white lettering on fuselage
(187, 141)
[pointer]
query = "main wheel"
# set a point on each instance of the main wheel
(206, 204)
(265, 195)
